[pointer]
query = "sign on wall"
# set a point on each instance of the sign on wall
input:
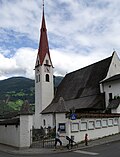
(104, 123)
(74, 127)
(62, 127)
(98, 124)
(110, 122)
(116, 121)
(73, 116)
(83, 126)
(91, 125)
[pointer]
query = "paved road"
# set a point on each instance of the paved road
(106, 150)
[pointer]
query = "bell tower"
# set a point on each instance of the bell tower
(44, 88)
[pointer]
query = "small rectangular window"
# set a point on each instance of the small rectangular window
(75, 127)
(62, 127)
(110, 122)
(104, 123)
(91, 125)
(98, 124)
(47, 78)
(110, 96)
(47, 62)
(36, 79)
(83, 126)
(38, 62)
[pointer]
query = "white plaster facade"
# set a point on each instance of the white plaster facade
(112, 87)
(26, 124)
(17, 135)
(9, 135)
(48, 120)
(114, 66)
(44, 90)
(94, 127)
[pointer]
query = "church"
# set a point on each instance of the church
(87, 100)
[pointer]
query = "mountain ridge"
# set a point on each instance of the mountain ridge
(14, 90)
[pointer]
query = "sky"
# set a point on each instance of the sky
(80, 33)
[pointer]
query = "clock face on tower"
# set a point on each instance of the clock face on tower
(47, 69)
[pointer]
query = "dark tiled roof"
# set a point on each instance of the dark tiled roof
(88, 102)
(81, 88)
(60, 106)
(15, 121)
(114, 103)
(96, 115)
(113, 78)
(91, 101)
(9, 115)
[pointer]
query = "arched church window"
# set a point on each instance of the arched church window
(38, 62)
(47, 78)
(47, 61)
(44, 122)
(36, 78)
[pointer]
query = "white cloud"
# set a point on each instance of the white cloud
(20, 16)
(80, 32)
(65, 63)
(21, 64)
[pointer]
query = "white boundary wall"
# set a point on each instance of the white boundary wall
(26, 123)
(17, 136)
(94, 127)
(9, 135)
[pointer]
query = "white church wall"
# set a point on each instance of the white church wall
(44, 91)
(38, 106)
(114, 66)
(47, 87)
(63, 123)
(94, 127)
(37, 120)
(111, 87)
(47, 120)
(61, 119)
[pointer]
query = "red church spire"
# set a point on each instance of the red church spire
(43, 44)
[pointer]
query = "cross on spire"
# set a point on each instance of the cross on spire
(43, 3)
(43, 7)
